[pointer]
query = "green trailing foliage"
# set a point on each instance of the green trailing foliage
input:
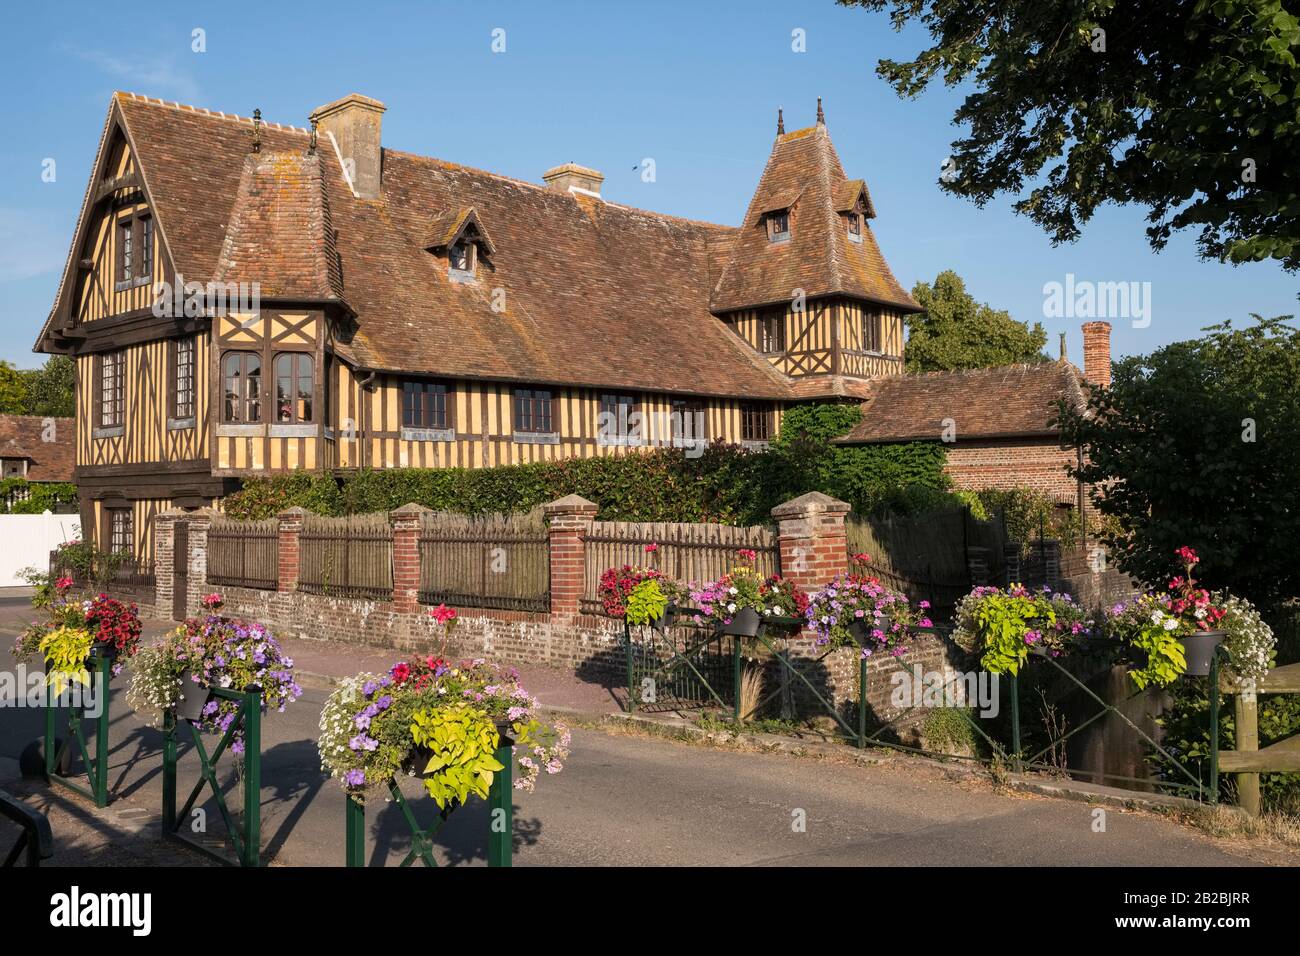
(460, 744)
(35, 497)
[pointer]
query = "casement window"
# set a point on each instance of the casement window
(533, 411)
(121, 533)
(241, 377)
(461, 257)
(125, 250)
(145, 272)
(295, 387)
(771, 331)
(691, 422)
(134, 250)
(615, 425)
(181, 379)
(111, 399)
(755, 421)
(778, 225)
(871, 332)
(855, 227)
(13, 467)
(424, 405)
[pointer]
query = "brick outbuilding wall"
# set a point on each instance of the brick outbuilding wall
(1013, 463)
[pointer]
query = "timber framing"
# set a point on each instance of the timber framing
(353, 298)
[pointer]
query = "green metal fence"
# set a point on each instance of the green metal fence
(245, 836)
(685, 674)
(96, 768)
(500, 817)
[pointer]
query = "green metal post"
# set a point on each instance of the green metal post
(1015, 721)
(355, 846)
(862, 701)
(51, 705)
(99, 781)
(1214, 727)
(252, 775)
(737, 664)
(501, 808)
(169, 773)
(631, 691)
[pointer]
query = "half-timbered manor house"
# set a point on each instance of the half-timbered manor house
(245, 298)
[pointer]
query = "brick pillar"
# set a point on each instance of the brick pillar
(164, 560)
(197, 524)
(406, 556)
(812, 539)
(570, 519)
(287, 563)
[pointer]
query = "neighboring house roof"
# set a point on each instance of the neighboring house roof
(24, 436)
(804, 174)
(1011, 401)
(594, 293)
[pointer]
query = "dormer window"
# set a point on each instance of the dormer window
(461, 258)
(778, 225)
(855, 227)
(460, 236)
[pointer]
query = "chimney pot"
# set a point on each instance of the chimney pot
(1096, 353)
(571, 177)
(355, 122)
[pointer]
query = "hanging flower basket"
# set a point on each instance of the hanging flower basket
(1199, 649)
(194, 697)
(669, 617)
(375, 726)
(745, 623)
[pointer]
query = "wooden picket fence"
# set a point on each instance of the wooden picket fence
(349, 557)
(686, 552)
(244, 554)
(493, 561)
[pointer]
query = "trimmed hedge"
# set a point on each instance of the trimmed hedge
(726, 483)
(41, 496)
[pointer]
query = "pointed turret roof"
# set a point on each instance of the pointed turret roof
(804, 175)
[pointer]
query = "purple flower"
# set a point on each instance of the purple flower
(355, 778)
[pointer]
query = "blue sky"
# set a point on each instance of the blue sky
(694, 86)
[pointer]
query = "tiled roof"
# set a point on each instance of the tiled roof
(594, 293)
(23, 436)
(819, 258)
(1009, 401)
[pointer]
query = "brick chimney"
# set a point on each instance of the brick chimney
(571, 177)
(1096, 352)
(355, 122)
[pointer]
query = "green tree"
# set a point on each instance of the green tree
(1184, 107)
(1198, 443)
(13, 390)
(956, 332)
(51, 388)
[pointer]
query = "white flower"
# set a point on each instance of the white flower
(1169, 624)
(731, 609)
(767, 610)
(733, 591)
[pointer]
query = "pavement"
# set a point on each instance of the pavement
(624, 798)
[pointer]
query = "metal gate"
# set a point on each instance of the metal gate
(180, 570)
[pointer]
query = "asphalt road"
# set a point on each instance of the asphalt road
(629, 800)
